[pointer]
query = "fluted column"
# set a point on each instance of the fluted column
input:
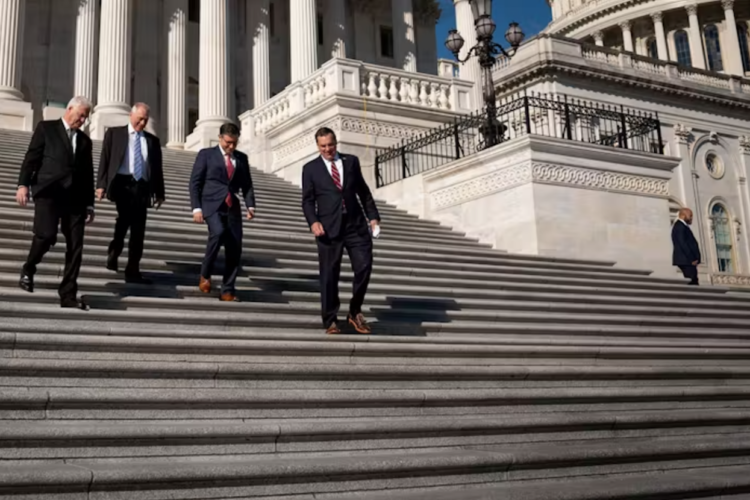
(86, 43)
(627, 36)
(304, 39)
(599, 39)
(213, 73)
(697, 58)
(259, 38)
(661, 38)
(113, 90)
(12, 16)
(404, 36)
(335, 28)
(732, 54)
(176, 17)
(470, 70)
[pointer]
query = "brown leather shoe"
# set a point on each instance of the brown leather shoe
(204, 285)
(333, 329)
(359, 324)
(228, 297)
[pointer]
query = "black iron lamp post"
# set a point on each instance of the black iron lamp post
(487, 51)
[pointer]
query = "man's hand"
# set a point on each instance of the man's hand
(695, 263)
(374, 224)
(250, 214)
(198, 217)
(89, 216)
(22, 196)
(100, 194)
(317, 229)
(157, 203)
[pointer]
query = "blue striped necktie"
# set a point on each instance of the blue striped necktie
(137, 157)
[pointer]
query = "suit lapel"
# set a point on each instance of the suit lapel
(346, 164)
(65, 138)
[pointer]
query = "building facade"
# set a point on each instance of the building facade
(198, 63)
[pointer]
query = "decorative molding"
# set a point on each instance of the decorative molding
(299, 141)
(379, 129)
(545, 173)
(626, 26)
(683, 133)
(692, 9)
(727, 4)
(745, 144)
(737, 280)
(657, 17)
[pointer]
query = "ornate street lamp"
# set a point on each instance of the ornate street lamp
(487, 51)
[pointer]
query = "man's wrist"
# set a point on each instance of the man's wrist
(90, 208)
(197, 210)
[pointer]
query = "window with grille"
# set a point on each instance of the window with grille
(722, 232)
(713, 48)
(744, 51)
(682, 44)
(652, 49)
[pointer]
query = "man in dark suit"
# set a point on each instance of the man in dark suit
(131, 175)
(219, 173)
(59, 171)
(332, 189)
(686, 254)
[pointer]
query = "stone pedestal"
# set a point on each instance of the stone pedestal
(14, 112)
(112, 107)
(213, 100)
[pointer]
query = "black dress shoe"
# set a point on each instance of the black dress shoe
(74, 304)
(26, 283)
(137, 278)
(112, 262)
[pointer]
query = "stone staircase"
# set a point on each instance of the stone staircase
(489, 376)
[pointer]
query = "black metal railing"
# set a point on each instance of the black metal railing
(558, 117)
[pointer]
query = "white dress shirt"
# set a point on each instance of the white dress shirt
(339, 166)
(233, 159)
(128, 163)
(73, 138)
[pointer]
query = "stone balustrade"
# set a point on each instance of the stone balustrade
(369, 82)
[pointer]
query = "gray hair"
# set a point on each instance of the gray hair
(80, 102)
(140, 105)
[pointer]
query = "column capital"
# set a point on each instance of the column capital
(598, 36)
(657, 17)
(692, 9)
(727, 4)
(626, 25)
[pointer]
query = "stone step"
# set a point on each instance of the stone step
(106, 440)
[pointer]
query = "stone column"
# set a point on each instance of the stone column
(304, 39)
(404, 35)
(213, 74)
(335, 28)
(86, 43)
(627, 36)
(661, 38)
(176, 18)
(470, 70)
(731, 54)
(697, 58)
(14, 112)
(599, 39)
(259, 34)
(113, 93)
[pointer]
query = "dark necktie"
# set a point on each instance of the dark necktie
(230, 173)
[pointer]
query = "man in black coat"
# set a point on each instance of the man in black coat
(219, 173)
(332, 189)
(131, 175)
(686, 254)
(58, 170)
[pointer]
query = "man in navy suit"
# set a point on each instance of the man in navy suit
(332, 189)
(219, 174)
(686, 254)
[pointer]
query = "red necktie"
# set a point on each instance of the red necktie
(230, 173)
(337, 179)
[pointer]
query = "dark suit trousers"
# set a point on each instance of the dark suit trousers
(690, 272)
(224, 228)
(330, 252)
(48, 211)
(132, 199)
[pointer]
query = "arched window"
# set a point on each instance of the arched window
(682, 44)
(744, 51)
(652, 50)
(713, 48)
(722, 231)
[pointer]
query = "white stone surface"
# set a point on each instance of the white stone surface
(304, 40)
(404, 35)
(87, 20)
(470, 70)
(258, 28)
(176, 17)
(14, 113)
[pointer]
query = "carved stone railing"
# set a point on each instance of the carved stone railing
(349, 78)
(730, 280)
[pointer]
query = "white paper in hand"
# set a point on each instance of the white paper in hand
(375, 231)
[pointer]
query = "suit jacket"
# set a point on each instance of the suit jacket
(210, 184)
(51, 165)
(686, 250)
(322, 200)
(116, 143)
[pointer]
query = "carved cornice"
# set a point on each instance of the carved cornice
(527, 172)
(682, 133)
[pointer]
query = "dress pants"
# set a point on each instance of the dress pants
(132, 199)
(358, 244)
(57, 205)
(690, 272)
(224, 228)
